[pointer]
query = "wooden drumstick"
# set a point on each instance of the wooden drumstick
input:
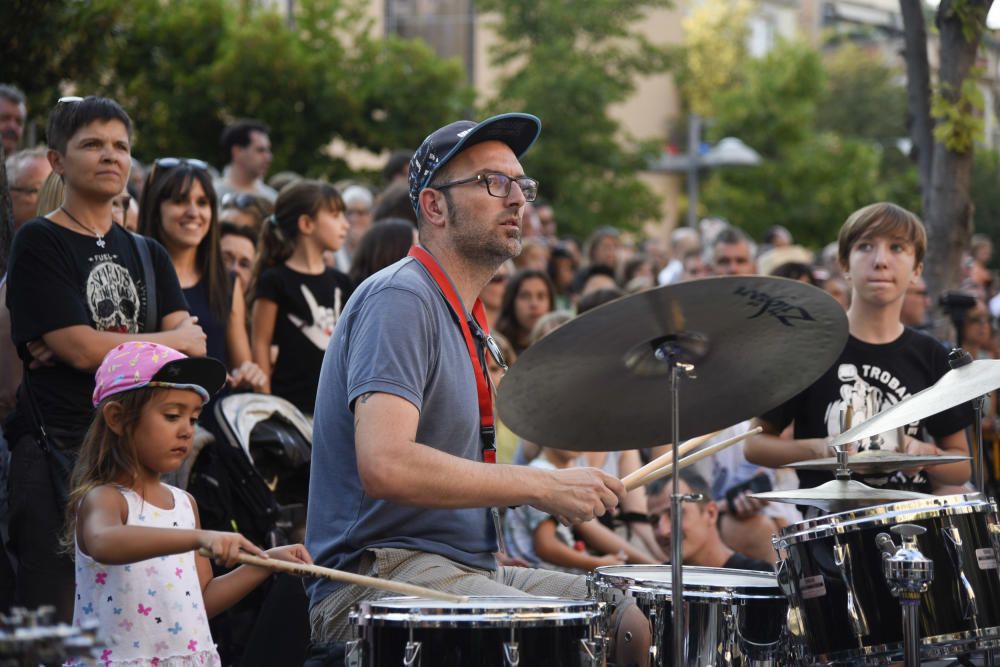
(693, 458)
(305, 569)
(655, 464)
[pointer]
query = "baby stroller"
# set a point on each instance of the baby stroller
(254, 479)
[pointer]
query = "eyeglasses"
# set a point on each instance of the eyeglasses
(171, 162)
(498, 185)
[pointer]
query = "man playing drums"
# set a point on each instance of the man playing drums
(401, 480)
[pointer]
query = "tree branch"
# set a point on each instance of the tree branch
(918, 93)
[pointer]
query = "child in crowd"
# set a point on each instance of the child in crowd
(297, 297)
(542, 541)
(137, 572)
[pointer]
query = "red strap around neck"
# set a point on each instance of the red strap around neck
(486, 427)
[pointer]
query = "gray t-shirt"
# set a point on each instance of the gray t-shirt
(397, 335)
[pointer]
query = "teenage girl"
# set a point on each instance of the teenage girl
(137, 570)
(297, 297)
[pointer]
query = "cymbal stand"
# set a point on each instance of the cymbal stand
(669, 354)
(908, 573)
(956, 359)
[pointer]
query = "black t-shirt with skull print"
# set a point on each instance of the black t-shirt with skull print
(59, 278)
(872, 378)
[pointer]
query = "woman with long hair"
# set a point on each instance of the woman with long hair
(179, 210)
(528, 296)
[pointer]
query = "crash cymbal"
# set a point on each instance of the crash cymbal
(877, 461)
(957, 386)
(839, 495)
(595, 383)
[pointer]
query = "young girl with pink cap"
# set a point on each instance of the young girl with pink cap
(138, 572)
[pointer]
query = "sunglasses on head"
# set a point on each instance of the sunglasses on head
(69, 99)
(171, 162)
(240, 200)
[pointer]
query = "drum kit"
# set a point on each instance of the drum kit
(878, 576)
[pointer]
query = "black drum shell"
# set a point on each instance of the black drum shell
(807, 553)
(548, 631)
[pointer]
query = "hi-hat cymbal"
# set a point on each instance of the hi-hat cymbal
(839, 495)
(875, 461)
(595, 383)
(957, 386)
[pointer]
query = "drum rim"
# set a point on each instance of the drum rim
(603, 578)
(398, 613)
(905, 511)
(931, 648)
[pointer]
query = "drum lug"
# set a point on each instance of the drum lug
(352, 653)
(411, 654)
(591, 653)
(511, 654)
(954, 542)
(842, 559)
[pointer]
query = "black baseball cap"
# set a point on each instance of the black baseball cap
(517, 130)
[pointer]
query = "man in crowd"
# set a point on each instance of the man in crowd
(702, 544)
(26, 172)
(239, 248)
(13, 112)
(682, 241)
(358, 202)
(733, 253)
(402, 485)
(915, 304)
(247, 146)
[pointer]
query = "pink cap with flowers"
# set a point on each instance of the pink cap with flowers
(138, 364)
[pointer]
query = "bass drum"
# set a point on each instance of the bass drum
(485, 631)
(734, 618)
(831, 570)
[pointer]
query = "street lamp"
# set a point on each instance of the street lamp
(729, 152)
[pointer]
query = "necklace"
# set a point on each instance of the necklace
(100, 237)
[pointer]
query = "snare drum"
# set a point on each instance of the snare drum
(734, 617)
(831, 570)
(486, 632)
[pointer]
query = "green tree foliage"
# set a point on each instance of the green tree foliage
(44, 43)
(184, 68)
(819, 164)
(568, 62)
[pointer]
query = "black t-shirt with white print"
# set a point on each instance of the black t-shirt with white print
(873, 378)
(308, 308)
(60, 278)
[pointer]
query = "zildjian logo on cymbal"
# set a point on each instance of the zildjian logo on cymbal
(782, 311)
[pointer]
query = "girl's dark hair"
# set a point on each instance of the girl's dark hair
(386, 242)
(69, 116)
(281, 229)
(175, 183)
(507, 323)
(106, 457)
